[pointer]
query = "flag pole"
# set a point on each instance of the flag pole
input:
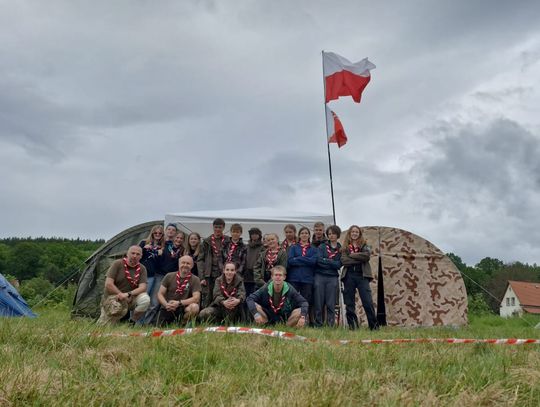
(327, 143)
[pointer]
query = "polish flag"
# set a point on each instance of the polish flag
(344, 78)
(336, 133)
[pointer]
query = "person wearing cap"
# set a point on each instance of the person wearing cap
(170, 232)
(125, 289)
(278, 302)
(210, 260)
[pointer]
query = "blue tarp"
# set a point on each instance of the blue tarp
(11, 302)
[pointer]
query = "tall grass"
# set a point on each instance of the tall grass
(53, 360)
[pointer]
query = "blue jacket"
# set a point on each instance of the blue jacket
(301, 269)
(325, 265)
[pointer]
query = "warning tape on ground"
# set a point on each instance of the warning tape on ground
(293, 336)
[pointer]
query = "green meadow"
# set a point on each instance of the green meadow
(55, 361)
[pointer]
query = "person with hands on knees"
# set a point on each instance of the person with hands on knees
(179, 294)
(125, 289)
(278, 302)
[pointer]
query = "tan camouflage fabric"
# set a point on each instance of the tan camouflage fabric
(422, 287)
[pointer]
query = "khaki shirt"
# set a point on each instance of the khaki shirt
(169, 282)
(116, 272)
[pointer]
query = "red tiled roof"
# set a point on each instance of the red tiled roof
(527, 293)
(532, 310)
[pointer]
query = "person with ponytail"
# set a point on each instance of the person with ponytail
(356, 276)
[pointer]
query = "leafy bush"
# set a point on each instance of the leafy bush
(39, 291)
(478, 305)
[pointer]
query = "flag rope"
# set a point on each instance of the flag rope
(295, 337)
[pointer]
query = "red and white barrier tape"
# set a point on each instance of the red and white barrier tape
(293, 336)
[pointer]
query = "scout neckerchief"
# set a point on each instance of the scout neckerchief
(213, 242)
(133, 282)
(154, 249)
(286, 244)
(304, 248)
(181, 286)
(226, 293)
(174, 250)
(331, 254)
(280, 305)
(354, 249)
(271, 257)
(231, 251)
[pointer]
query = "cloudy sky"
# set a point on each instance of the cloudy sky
(116, 113)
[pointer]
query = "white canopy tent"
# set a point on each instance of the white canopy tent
(269, 220)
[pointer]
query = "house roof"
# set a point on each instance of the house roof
(527, 293)
(532, 310)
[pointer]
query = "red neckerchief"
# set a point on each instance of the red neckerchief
(133, 282)
(271, 257)
(286, 244)
(280, 305)
(231, 251)
(330, 253)
(174, 251)
(304, 248)
(226, 293)
(354, 249)
(181, 286)
(213, 242)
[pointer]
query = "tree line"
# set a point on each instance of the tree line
(41, 264)
(487, 280)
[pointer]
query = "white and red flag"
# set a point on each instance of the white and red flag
(336, 133)
(345, 78)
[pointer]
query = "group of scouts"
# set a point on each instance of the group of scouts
(173, 278)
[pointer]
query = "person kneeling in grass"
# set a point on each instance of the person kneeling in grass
(228, 296)
(125, 289)
(179, 294)
(278, 302)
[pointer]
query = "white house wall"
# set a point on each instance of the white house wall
(514, 308)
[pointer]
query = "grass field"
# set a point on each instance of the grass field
(53, 361)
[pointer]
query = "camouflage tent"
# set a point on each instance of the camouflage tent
(419, 284)
(415, 283)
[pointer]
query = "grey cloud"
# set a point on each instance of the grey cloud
(481, 177)
(28, 118)
(518, 92)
